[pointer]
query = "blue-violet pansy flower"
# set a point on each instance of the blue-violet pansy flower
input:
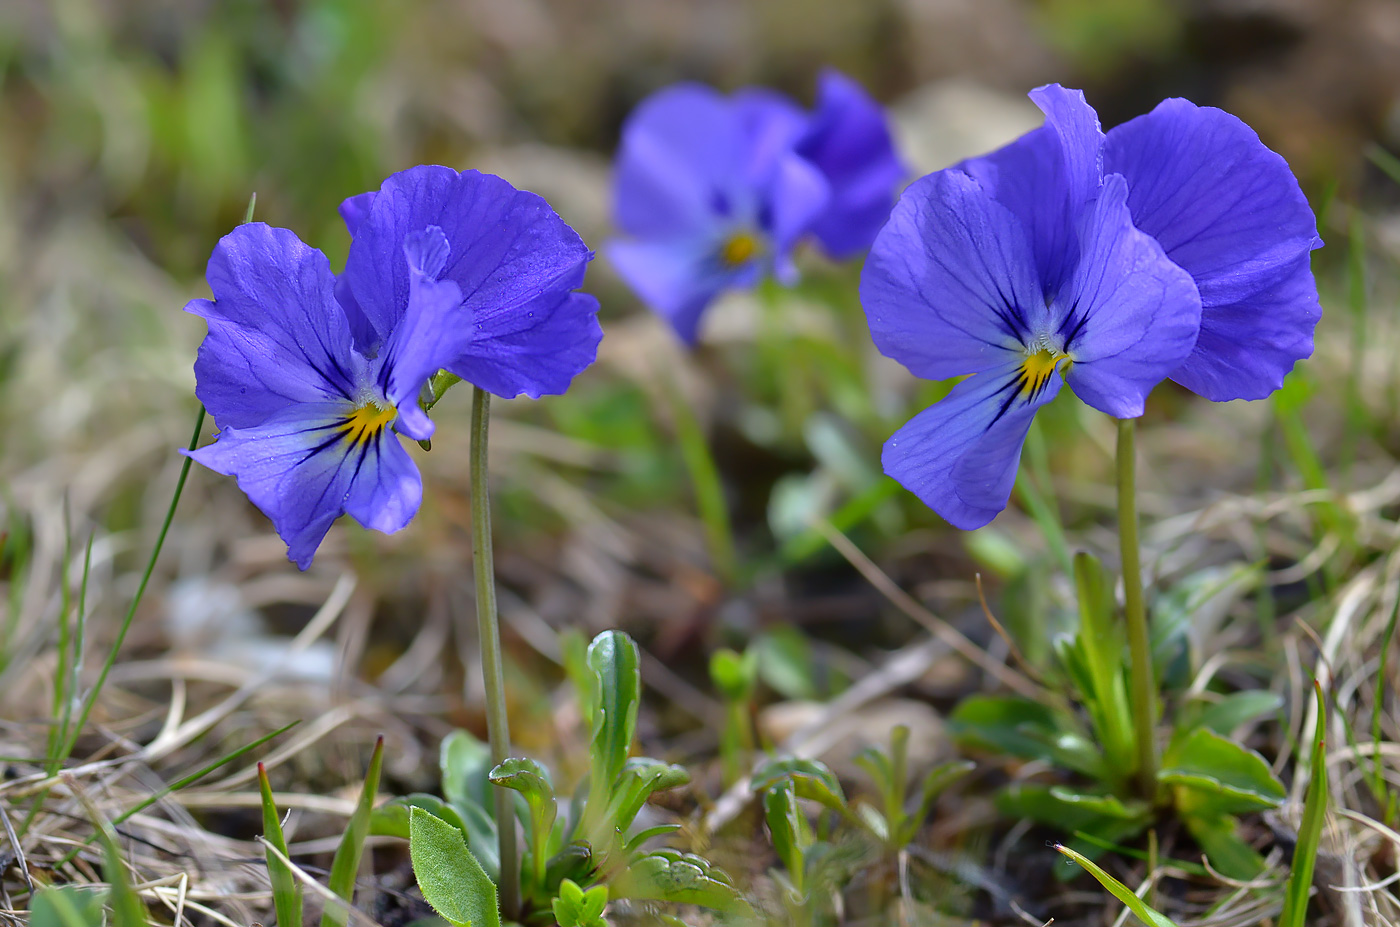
(311, 380)
(1177, 245)
(712, 192)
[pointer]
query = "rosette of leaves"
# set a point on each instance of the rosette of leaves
(1206, 779)
(583, 850)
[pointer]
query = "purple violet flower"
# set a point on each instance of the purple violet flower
(714, 192)
(309, 377)
(1176, 246)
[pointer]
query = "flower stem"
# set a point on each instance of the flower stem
(497, 721)
(1144, 688)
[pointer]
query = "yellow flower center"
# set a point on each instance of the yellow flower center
(738, 248)
(367, 421)
(1038, 368)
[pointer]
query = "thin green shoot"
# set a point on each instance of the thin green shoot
(1379, 784)
(1295, 902)
(1144, 912)
(69, 742)
(1033, 488)
(705, 482)
(286, 891)
(345, 865)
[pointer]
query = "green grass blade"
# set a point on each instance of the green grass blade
(1144, 912)
(179, 784)
(346, 864)
(90, 702)
(286, 891)
(1295, 901)
(127, 908)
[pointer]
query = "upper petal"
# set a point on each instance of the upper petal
(276, 333)
(950, 282)
(1131, 314)
(510, 254)
(1230, 211)
(848, 139)
(960, 455)
(679, 158)
(1048, 176)
(797, 194)
(354, 209)
(431, 335)
(300, 469)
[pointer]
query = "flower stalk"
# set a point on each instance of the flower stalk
(497, 720)
(1144, 689)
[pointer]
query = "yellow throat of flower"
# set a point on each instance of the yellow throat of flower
(1038, 368)
(367, 421)
(738, 249)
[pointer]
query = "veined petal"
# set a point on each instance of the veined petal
(432, 334)
(950, 286)
(959, 456)
(1131, 315)
(303, 465)
(848, 139)
(677, 279)
(276, 333)
(1230, 211)
(354, 209)
(1048, 176)
(511, 256)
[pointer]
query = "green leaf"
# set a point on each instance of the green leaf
(391, 818)
(1109, 806)
(286, 890)
(1146, 914)
(1237, 709)
(1057, 808)
(937, 780)
(616, 664)
(527, 777)
(66, 906)
(1026, 729)
(635, 841)
(573, 907)
(641, 778)
(680, 878)
(788, 827)
(786, 663)
(811, 779)
(464, 761)
(448, 875)
(734, 675)
(1228, 854)
(1100, 641)
(345, 865)
(574, 861)
(1229, 777)
(1295, 903)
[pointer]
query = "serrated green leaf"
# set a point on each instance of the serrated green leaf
(345, 865)
(448, 875)
(286, 890)
(1146, 914)
(1230, 778)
